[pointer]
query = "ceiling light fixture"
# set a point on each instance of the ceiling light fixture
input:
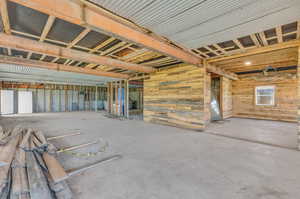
(248, 63)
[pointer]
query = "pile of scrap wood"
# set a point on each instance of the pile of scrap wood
(29, 168)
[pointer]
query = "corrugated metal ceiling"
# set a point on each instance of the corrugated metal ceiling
(29, 74)
(195, 23)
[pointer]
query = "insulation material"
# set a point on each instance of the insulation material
(19, 16)
(7, 102)
(40, 100)
(62, 100)
(81, 101)
(64, 31)
(25, 102)
(55, 101)
(215, 109)
(70, 100)
(47, 101)
(75, 101)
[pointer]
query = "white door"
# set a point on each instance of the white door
(7, 102)
(25, 101)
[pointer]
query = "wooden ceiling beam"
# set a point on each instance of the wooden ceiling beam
(79, 37)
(217, 70)
(88, 16)
(279, 46)
(102, 44)
(4, 15)
(53, 50)
(47, 27)
(279, 34)
(59, 67)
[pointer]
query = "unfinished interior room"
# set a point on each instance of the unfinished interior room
(157, 99)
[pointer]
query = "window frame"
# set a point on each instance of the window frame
(265, 87)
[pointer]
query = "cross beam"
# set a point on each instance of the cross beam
(19, 43)
(58, 67)
(81, 13)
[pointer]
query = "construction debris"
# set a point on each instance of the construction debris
(29, 168)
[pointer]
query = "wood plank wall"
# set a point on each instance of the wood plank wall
(226, 97)
(175, 97)
(207, 99)
(285, 108)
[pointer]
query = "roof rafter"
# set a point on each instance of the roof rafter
(79, 37)
(87, 16)
(47, 27)
(283, 45)
(53, 50)
(58, 67)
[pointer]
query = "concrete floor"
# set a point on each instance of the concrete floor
(162, 162)
(276, 133)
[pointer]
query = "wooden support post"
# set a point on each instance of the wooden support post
(96, 99)
(78, 97)
(116, 98)
(50, 99)
(111, 97)
(207, 94)
(4, 15)
(127, 98)
(89, 98)
(298, 101)
(66, 99)
(121, 99)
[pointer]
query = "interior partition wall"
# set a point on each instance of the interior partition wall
(21, 98)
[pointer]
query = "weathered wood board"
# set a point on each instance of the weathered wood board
(175, 97)
(226, 97)
(285, 108)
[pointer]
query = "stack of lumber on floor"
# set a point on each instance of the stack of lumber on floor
(28, 167)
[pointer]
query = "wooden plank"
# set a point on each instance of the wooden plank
(285, 108)
(79, 37)
(58, 67)
(47, 27)
(102, 44)
(263, 38)
(279, 34)
(55, 169)
(4, 15)
(254, 39)
(71, 11)
(214, 69)
(53, 50)
(284, 45)
(238, 43)
(175, 97)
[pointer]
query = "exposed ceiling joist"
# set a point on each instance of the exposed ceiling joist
(53, 50)
(214, 69)
(79, 37)
(4, 15)
(75, 12)
(289, 44)
(59, 67)
(47, 27)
